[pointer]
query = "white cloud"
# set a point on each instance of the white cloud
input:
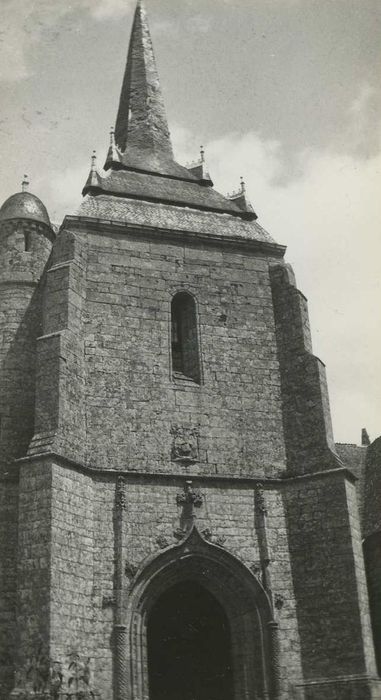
(108, 9)
(168, 27)
(330, 219)
(199, 24)
(25, 22)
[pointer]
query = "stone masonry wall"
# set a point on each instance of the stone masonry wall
(8, 580)
(328, 576)
(372, 541)
(33, 564)
(306, 413)
(152, 516)
(72, 563)
(133, 403)
(60, 382)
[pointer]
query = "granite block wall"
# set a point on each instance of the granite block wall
(372, 538)
(33, 564)
(152, 519)
(328, 575)
(8, 582)
(306, 413)
(133, 401)
(60, 381)
(72, 565)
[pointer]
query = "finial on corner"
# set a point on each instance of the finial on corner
(365, 439)
(240, 199)
(112, 136)
(94, 162)
(25, 183)
(202, 154)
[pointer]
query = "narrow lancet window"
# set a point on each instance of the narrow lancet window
(27, 241)
(185, 346)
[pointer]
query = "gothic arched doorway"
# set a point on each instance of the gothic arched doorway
(212, 583)
(189, 646)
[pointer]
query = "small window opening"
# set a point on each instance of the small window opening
(185, 350)
(27, 241)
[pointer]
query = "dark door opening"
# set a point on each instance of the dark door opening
(189, 655)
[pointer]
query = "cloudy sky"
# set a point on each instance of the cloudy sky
(283, 92)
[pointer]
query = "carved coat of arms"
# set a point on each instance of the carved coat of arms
(184, 444)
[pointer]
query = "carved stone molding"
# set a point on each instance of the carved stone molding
(108, 601)
(189, 496)
(120, 496)
(162, 541)
(260, 499)
(179, 533)
(130, 569)
(197, 558)
(278, 601)
(214, 539)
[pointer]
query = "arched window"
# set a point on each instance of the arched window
(185, 351)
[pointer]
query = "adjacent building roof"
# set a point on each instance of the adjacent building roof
(24, 205)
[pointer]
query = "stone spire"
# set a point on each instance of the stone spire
(141, 131)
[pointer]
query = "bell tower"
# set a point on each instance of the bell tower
(181, 500)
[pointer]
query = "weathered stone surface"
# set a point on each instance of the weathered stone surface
(126, 469)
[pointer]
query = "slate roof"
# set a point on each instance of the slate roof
(171, 217)
(161, 189)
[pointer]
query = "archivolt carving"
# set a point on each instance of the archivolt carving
(242, 596)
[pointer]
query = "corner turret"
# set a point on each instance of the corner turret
(26, 237)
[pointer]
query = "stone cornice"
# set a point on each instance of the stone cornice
(160, 477)
(161, 234)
